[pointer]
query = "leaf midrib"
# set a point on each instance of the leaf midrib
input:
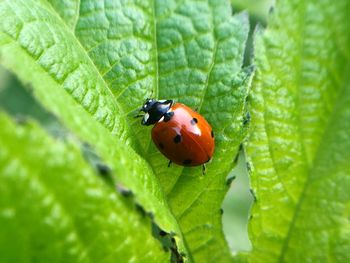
(77, 16)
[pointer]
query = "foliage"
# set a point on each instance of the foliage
(91, 64)
(96, 189)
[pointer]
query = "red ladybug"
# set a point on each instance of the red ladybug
(181, 134)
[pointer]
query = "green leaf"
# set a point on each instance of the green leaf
(39, 47)
(300, 138)
(53, 207)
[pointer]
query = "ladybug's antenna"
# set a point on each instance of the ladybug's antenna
(138, 113)
(152, 93)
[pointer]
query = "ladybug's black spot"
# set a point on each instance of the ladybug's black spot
(161, 145)
(187, 161)
(194, 121)
(177, 138)
(212, 134)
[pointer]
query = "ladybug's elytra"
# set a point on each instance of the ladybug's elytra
(181, 134)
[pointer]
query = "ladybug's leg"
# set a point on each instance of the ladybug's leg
(138, 116)
(169, 163)
(203, 169)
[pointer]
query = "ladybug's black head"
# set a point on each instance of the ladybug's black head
(154, 110)
(148, 105)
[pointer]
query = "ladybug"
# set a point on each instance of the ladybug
(181, 134)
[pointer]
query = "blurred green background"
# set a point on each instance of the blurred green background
(236, 208)
(258, 9)
(19, 103)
